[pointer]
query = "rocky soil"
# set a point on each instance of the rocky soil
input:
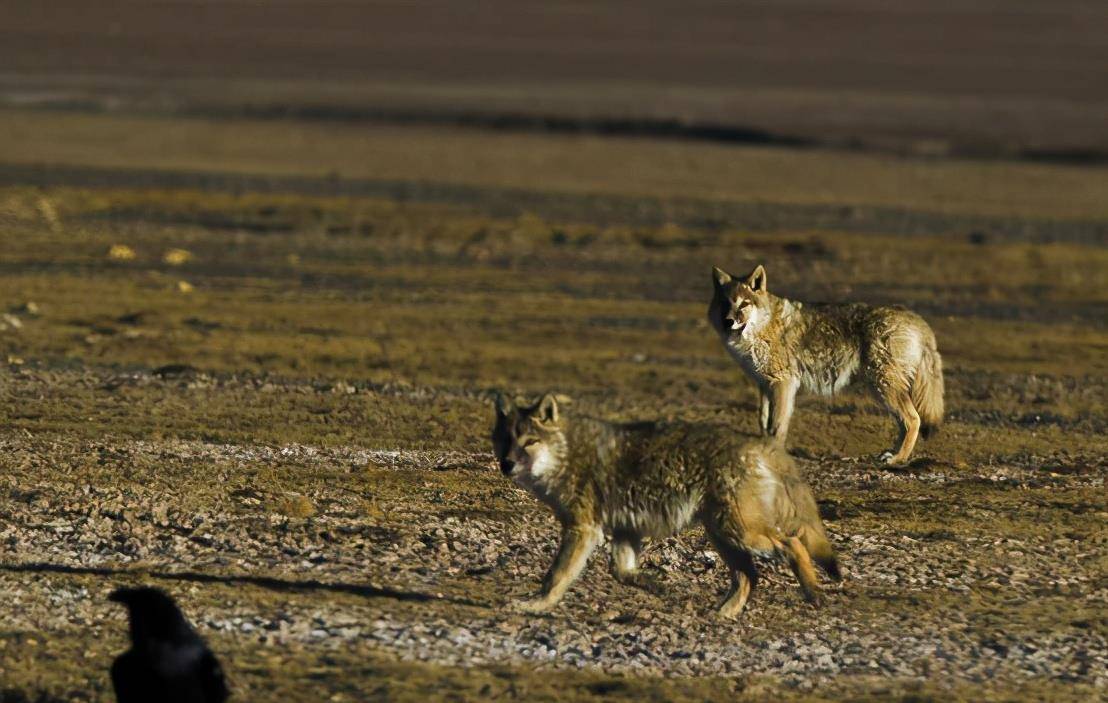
(414, 554)
(275, 405)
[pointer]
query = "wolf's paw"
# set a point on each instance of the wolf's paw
(646, 582)
(532, 605)
(889, 458)
(729, 614)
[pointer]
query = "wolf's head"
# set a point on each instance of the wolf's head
(740, 304)
(528, 440)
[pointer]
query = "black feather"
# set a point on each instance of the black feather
(167, 661)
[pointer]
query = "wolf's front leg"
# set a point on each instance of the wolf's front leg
(578, 542)
(763, 411)
(782, 396)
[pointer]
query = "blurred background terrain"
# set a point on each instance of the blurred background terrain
(993, 77)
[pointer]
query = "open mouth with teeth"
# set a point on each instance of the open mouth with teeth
(733, 326)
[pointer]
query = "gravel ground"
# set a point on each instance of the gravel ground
(276, 407)
(429, 585)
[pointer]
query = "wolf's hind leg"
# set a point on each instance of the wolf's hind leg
(625, 562)
(744, 574)
(625, 554)
(899, 401)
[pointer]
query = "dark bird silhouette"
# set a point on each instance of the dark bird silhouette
(167, 661)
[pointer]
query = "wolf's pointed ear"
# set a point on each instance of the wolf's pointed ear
(547, 409)
(504, 405)
(757, 278)
(720, 277)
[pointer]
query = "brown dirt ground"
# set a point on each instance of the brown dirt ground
(287, 427)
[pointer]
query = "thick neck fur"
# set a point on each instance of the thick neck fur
(595, 443)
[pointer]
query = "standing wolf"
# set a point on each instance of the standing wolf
(785, 345)
(645, 480)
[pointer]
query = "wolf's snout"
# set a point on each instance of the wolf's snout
(506, 466)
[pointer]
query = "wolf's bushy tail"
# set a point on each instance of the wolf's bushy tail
(820, 549)
(927, 388)
(812, 533)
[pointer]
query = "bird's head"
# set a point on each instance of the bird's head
(153, 614)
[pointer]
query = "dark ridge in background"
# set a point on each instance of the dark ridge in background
(540, 123)
(515, 122)
(636, 128)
